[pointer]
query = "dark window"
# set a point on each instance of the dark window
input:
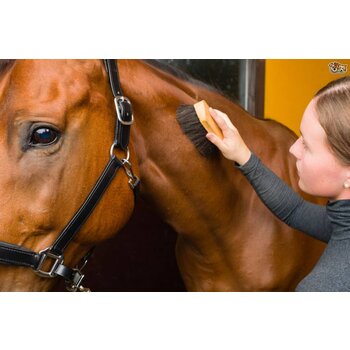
(240, 80)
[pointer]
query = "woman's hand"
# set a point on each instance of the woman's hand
(232, 146)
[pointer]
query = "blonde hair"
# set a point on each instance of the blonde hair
(332, 104)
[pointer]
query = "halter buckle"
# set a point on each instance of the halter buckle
(116, 103)
(57, 260)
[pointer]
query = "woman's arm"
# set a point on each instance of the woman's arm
(286, 204)
(277, 196)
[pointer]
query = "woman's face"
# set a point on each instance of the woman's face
(320, 172)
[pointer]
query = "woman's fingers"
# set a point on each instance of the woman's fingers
(217, 116)
(214, 139)
(232, 146)
(222, 120)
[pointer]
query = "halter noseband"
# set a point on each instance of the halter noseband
(20, 256)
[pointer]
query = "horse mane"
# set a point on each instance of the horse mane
(181, 74)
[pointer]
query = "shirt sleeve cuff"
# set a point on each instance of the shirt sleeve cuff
(249, 165)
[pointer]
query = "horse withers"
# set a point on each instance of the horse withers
(57, 125)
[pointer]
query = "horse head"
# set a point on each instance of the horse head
(57, 124)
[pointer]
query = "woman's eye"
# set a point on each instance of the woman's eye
(43, 136)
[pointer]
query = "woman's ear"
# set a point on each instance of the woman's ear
(346, 184)
(347, 177)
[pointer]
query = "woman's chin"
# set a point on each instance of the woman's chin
(302, 187)
(310, 190)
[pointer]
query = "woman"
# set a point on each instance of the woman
(322, 155)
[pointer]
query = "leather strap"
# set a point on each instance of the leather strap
(15, 255)
(124, 113)
(87, 207)
(123, 130)
(113, 75)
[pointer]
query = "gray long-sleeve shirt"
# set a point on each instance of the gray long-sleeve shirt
(330, 223)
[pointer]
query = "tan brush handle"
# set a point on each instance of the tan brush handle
(204, 116)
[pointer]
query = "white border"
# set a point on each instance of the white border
(178, 29)
(175, 321)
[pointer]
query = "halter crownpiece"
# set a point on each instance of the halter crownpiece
(20, 256)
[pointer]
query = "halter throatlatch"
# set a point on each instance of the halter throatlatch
(49, 263)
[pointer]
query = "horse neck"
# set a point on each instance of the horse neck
(151, 89)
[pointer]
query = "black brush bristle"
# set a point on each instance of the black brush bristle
(192, 127)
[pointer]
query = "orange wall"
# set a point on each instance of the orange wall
(290, 85)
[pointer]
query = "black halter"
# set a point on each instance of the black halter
(20, 256)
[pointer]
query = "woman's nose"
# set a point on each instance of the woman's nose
(295, 148)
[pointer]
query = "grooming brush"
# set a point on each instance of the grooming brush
(204, 116)
(196, 121)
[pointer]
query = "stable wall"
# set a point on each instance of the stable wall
(291, 84)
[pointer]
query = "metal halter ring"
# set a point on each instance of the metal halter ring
(114, 145)
(124, 160)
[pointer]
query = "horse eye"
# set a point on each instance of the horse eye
(43, 136)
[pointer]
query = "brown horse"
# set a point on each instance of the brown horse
(227, 239)
(57, 125)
